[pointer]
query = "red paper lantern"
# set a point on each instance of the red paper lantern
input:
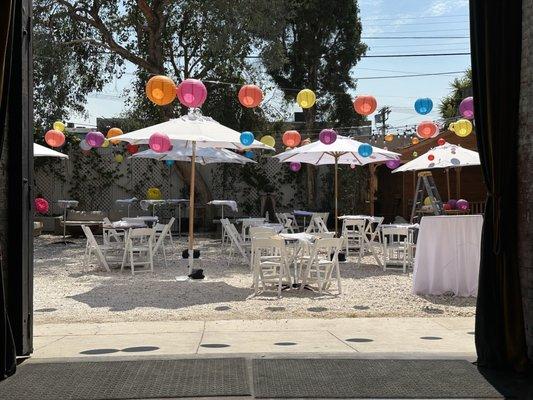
(426, 129)
(441, 141)
(291, 138)
(365, 105)
(54, 138)
(161, 90)
(191, 93)
(431, 157)
(250, 96)
(41, 205)
(132, 148)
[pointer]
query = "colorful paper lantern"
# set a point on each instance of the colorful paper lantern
(159, 142)
(365, 150)
(85, 146)
(392, 164)
(291, 138)
(161, 90)
(446, 207)
(106, 143)
(59, 126)
(94, 139)
(365, 104)
(466, 108)
(415, 154)
(426, 129)
(54, 138)
(431, 157)
(306, 98)
(452, 203)
(153, 194)
(249, 154)
(441, 142)
(247, 138)
(462, 205)
(389, 137)
(268, 140)
(119, 158)
(250, 96)
(423, 105)
(427, 201)
(41, 205)
(111, 133)
(327, 136)
(295, 166)
(169, 163)
(462, 128)
(132, 148)
(415, 140)
(191, 93)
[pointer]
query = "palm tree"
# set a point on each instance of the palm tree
(450, 104)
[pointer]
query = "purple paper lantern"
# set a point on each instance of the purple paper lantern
(94, 139)
(452, 203)
(191, 93)
(466, 108)
(392, 164)
(462, 205)
(327, 136)
(295, 166)
(159, 142)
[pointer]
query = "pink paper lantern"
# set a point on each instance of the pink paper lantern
(295, 166)
(41, 205)
(392, 164)
(462, 205)
(94, 139)
(191, 93)
(159, 142)
(466, 108)
(327, 136)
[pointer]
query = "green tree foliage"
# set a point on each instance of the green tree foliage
(449, 106)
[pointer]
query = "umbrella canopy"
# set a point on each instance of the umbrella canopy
(343, 151)
(193, 128)
(204, 155)
(445, 156)
(42, 151)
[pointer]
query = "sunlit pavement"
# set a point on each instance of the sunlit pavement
(358, 337)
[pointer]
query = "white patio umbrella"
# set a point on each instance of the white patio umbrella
(205, 155)
(195, 131)
(43, 151)
(343, 151)
(446, 156)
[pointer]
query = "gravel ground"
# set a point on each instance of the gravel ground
(66, 291)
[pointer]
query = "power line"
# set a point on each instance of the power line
(414, 37)
(411, 75)
(431, 30)
(416, 55)
(417, 18)
(422, 45)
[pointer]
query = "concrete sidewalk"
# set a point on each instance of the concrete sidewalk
(436, 337)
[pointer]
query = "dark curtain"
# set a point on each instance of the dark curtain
(496, 40)
(7, 344)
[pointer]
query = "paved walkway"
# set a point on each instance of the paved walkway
(360, 337)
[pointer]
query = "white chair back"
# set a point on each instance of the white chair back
(320, 225)
(236, 240)
(92, 244)
(261, 231)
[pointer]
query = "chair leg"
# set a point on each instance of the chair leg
(165, 256)
(338, 277)
(124, 258)
(132, 264)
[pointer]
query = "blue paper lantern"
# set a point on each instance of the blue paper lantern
(247, 138)
(249, 154)
(170, 163)
(365, 150)
(424, 105)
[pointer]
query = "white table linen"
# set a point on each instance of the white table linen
(230, 203)
(448, 255)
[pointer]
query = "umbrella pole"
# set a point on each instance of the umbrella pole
(191, 209)
(448, 181)
(336, 193)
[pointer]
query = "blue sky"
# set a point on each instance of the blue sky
(379, 18)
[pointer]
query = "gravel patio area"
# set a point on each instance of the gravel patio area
(66, 291)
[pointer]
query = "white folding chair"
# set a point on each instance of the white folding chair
(324, 260)
(288, 226)
(353, 231)
(111, 235)
(159, 227)
(92, 246)
(160, 239)
(320, 225)
(237, 242)
(397, 247)
(139, 249)
(294, 223)
(261, 232)
(270, 264)
(323, 215)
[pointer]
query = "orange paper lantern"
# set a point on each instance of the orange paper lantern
(54, 138)
(114, 132)
(426, 129)
(250, 96)
(161, 90)
(415, 140)
(365, 104)
(389, 137)
(291, 138)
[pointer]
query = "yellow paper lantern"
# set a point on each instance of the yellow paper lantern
(462, 128)
(415, 154)
(268, 140)
(59, 126)
(153, 193)
(389, 137)
(306, 98)
(119, 158)
(427, 201)
(106, 143)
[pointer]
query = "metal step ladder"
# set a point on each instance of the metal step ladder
(426, 184)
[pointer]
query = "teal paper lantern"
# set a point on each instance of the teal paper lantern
(365, 150)
(424, 105)
(169, 163)
(247, 138)
(249, 154)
